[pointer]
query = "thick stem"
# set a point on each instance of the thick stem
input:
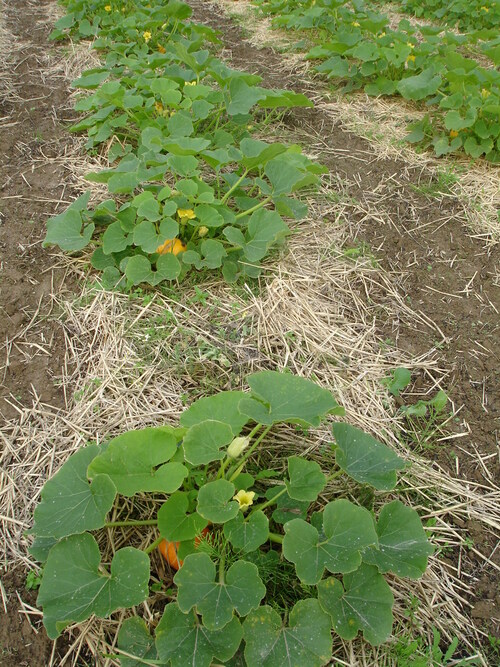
(233, 188)
(274, 537)
(269, 502)
(222, 563)
(254, 208)
(153, 546)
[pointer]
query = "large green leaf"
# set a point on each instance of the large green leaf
(173, 521)
(347, 531)
(215, 501)
(243, 97)
(264, 228)
(216, 597)
(70, 504)
(365, 459)
(203, 441)
(306, 479)
(65, 230)
(73, 586)
(183, 640)
(364, 603)
(134, 639)
(403, 547)
(306, 642)
(420, 86)
(136, 461)
(249, 533)
(282, 397)
(222, 407)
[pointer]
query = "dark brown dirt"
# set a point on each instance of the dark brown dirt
(445, 274)
(31, 185)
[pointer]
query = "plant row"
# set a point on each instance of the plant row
(465, 15)
(438, 69)
(190, 188)
(268, 565)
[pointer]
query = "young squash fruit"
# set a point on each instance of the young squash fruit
(169, 549)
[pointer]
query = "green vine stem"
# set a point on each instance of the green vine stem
(274, 537)
(153, 545)
(120, 524)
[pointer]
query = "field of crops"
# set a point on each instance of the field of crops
(256, 396)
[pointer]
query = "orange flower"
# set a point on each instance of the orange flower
(175, 246)
(453, 134)
(161, 49)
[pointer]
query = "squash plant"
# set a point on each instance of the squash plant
(190, 189)
(264, 526)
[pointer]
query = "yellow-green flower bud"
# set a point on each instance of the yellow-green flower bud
(202, 231)
(237, 446)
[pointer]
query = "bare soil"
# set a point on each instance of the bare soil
(31, 190)
(446, 274)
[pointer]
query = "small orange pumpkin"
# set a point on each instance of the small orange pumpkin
(169, 549)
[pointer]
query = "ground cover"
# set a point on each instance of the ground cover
(139, 360)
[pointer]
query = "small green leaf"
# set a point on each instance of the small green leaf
(240, 589)
(73, 587)
(203, 441)
(307, 640)
(115, 239)
(420, 86)
(243, 97)
(134, 639)
(173, 521)
(136, 462)
(364, 603)
(138, 270)
(365, 459)
(306, 479)
(399, 379)
(70, 504)
(215, 501)
(247, 534)
(182, 640)
(348, 530)
(222, 407)
(287, 508)
(282, 397)
(168, 267)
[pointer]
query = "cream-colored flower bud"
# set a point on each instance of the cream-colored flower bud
(202, 231)
(237, 446)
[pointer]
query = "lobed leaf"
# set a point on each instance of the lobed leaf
(173, 521)
(182, 640)
(306, 641)
(240, 590)
(136, 461)
(73, 587)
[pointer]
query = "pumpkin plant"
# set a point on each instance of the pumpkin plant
(265, 524)
(190, 188)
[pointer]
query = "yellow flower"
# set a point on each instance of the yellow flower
(485, 9)
(147, 36)
(245, 499)
(107, 8)
(355, 24)
(159, 107)
(161, 49)
(410, 58)
(485, 93)
(412, 46)
(190, 83)
(453, 134)
(382, 34)
(202, 231)
(175, 246)
(185, 214)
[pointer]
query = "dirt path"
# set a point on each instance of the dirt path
(448, 277)
(33, 106)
